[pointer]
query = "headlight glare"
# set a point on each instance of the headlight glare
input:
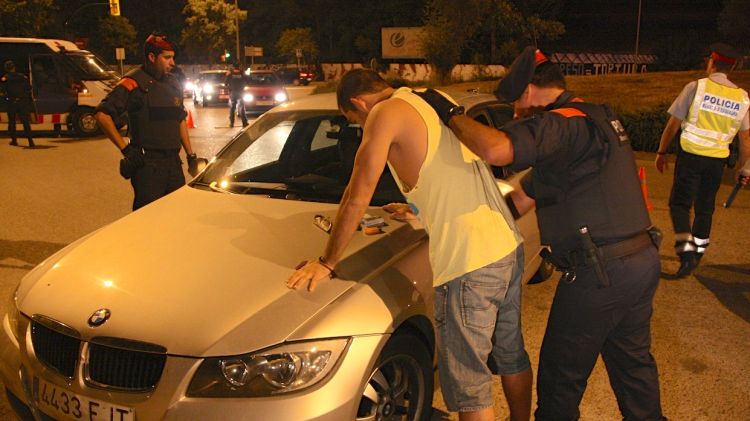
(275, 371)
(208, 88)
(280, 97)
(247, 97)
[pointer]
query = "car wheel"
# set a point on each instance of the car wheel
(400, 386)
(84, 123)
(545, 271)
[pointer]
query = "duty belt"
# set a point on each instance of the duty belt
(161, 153)
(581, 258)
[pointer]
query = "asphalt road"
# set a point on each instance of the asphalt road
(68, 187)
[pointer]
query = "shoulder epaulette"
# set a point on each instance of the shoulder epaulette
(128, 83)
(569, 112)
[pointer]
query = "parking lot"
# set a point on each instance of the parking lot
(68, 187)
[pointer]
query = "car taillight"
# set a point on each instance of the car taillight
(80, 88)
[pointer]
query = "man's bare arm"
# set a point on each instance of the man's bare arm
(490, 144)
(379, 132)
(185, 138)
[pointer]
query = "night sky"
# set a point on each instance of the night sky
(610, 26)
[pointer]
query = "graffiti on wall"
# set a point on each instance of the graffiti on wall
(601, 64)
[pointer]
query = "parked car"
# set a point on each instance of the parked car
(210, 89)
(295, 76)
(180, 309)
(263, 91)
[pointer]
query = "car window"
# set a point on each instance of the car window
(213, 77)
(301, 155)
(262, 79)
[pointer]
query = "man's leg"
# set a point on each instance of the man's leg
(27, 127)
(148, 182)
(705, 203)
(232, 105)
(579, 321)
(12, 122)
(241, 111)
(509, 357)
(684, 190)
(627, 350)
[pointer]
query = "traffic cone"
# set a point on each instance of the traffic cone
(644, 189)
(190, 122)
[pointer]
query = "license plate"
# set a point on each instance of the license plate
(264, 102)
(223, 96)
(56, 401)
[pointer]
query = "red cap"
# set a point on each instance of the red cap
(156, 43)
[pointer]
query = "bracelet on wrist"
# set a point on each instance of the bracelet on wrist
(327, 266)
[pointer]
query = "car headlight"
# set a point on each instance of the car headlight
(275, 371)
(280, 97)
(14, 314)
(208, 88)
(248, 97)
(189, 86)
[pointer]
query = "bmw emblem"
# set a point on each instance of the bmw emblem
(99, 317)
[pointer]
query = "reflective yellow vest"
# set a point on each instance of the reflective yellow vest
(714, 119)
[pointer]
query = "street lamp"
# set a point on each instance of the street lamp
(237, 31)
(638, 29)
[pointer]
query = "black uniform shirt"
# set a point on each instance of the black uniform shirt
(550, 142)
(16, 86)
(126, 97)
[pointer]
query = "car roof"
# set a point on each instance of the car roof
(327, 101)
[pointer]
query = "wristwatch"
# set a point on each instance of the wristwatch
(456, 110)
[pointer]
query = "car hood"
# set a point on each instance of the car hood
(200, 273)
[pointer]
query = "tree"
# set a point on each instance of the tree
(733, 22)
(210, 27)
(113, 32)
(298, 38)
(26, 18)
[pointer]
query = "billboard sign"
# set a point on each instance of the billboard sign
(401, 42)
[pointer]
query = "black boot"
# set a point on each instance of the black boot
(31, 143)
(688, 262)
(13, 142)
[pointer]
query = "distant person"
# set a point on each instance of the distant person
(235, 82)
(476, 253)
(17, 96)
(710, 111)
(152, 97)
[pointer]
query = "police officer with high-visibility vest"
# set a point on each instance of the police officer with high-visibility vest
(710, 112)
(152, 97)
(591, 212)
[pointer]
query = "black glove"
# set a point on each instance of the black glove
(133, 156)
(194, 164)
(444, 108)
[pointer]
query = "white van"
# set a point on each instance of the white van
(67, 83)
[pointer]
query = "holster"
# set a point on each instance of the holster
(126, 169)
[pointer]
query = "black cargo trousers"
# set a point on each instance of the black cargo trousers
(160, 175)
(586, 320)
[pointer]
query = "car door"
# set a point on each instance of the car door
(52, 85)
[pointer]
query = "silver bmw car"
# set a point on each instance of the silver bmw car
(180, 311)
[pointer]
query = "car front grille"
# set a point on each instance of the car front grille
(124, 369)
(56, 350)
(111, 363)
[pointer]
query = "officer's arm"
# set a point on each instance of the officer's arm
(490, 144)
(110, 130)
(523, 202)
(185, 138)
(744, 151)
(670, 131)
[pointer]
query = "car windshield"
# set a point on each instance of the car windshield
(297, 155)
(262, 79)
(91, 66)
(213, 77)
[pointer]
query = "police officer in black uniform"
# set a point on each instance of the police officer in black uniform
(235, 82)
(17, 95)
(152, 98)
(592, 215)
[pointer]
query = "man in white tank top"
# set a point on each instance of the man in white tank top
(475, 250)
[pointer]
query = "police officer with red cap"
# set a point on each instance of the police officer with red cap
(584, 184)
(152, 97)
(710, 112)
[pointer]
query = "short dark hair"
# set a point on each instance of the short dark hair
(723, 67)
(357, 82)
(548, 75)
(9, 66)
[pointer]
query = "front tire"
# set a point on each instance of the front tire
(84, 123)
(400, 386)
